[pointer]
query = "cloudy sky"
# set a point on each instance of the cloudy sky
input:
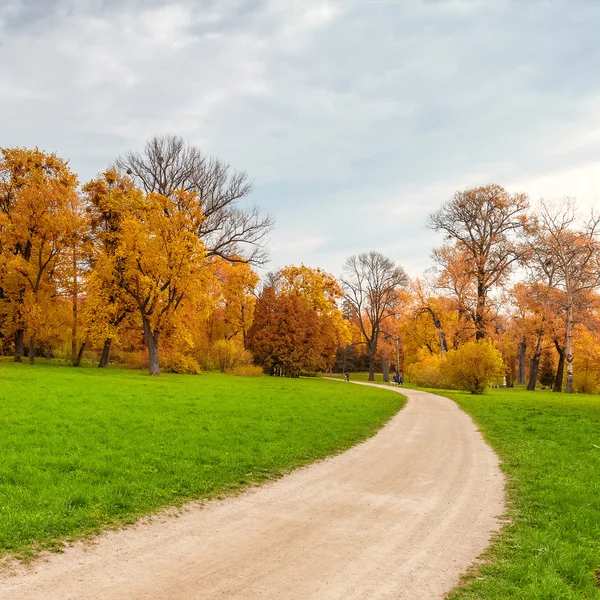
(354, 118)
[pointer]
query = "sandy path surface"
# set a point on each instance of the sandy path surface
(401, 515)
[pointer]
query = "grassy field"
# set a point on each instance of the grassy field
(549, 445)
(84, 449)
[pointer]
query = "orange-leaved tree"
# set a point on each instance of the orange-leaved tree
(40, 218)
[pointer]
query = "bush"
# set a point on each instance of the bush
(428, 373)
(585, 383)
(227, 354)
(473, 367)
(247, 371)
(180, 363)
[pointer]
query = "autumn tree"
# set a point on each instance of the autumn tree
(484, 223)
(111, 200)
(40, 218)
(321, 291)
(371, 284)
(169, 165)
(285, 337)
(236, 297)
(159, 261)
(572, 253)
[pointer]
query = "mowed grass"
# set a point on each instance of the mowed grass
(549, 445)
(84, 449)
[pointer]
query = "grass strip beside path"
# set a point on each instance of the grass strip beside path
(84, 449)
(549, 445)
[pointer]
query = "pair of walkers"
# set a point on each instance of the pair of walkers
(398, 378)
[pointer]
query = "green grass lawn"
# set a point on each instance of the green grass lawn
(549, 446)
(84, 449)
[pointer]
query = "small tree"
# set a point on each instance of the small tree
(474, 366)
(371, 283)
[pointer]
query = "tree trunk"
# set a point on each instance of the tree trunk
(560, 369)
(371, 368)
(569, 348)
(74, 310)
(105, 354)
(510, 372)
(32, 349)
(79, 356)
(479, 310)
(522, 351)
(19, 344)
(534, 365)
(152, 345)
(385, 368)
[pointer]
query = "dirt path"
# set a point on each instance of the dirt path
(399, 516)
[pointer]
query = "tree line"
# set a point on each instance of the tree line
(153, 263)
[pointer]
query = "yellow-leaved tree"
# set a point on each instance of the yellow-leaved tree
(40, 218)
(159, 260)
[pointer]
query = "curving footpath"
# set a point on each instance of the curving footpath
(401, 515)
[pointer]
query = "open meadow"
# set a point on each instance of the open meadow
(85, 449)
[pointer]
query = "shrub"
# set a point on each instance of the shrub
(180, 363)
(427, 372)
(227, 354)
(247, 371)
(585, 382)
(474, 366)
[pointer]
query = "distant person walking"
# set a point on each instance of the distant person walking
(347, 376)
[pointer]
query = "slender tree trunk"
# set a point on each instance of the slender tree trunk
(510, 372)
(74, 302)
(79, 356)
(438, 327)
(371, 368)
(105, 354)
(32, 349)
(479, 313)
(522, 351)
(19, 344)
(534, 364)
(569, 348)
(385, 368)
(560, 369)
(244, 326)
(152, 345)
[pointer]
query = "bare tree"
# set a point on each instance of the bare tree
(571, 255)
(484, 223)
(371, 283)
(168, 164)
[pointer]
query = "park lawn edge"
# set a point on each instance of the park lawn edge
(11, 560)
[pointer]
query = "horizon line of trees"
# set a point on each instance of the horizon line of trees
(153, 262)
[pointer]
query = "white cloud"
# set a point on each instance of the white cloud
(355, 118)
